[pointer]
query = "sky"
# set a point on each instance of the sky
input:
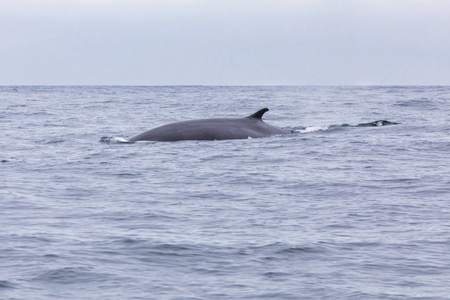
(224, 42)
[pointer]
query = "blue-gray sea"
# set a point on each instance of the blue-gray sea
(354, 204)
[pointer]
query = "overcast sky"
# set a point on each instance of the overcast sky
(224, 42)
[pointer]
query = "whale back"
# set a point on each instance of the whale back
(212, 129)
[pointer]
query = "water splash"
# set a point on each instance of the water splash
(113, 140)
(310, 129)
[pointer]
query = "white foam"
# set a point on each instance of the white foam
(121, 140)
(313, 129)
(113, 140)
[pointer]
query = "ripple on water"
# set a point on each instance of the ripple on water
(6, 284)
(71, 275)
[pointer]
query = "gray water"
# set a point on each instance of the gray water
(332, 211)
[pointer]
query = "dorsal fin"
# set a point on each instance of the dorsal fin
(259, 113)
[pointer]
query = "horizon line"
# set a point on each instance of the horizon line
(225, 85)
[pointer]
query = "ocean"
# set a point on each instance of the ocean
(354, 204)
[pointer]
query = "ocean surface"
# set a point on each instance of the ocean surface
(354, 204)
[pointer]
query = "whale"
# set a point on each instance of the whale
(212, 129)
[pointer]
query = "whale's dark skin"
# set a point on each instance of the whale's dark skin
(212, 129)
